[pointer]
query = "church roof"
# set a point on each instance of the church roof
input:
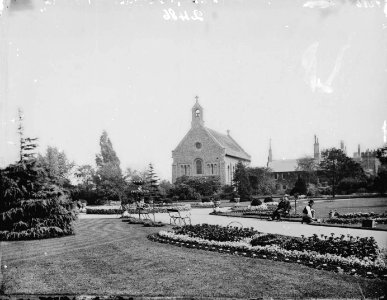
(284, 165)
(231, 146)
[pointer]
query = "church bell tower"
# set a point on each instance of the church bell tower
(197, 114)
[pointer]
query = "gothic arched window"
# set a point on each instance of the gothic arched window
(197, 113)
(199, 166)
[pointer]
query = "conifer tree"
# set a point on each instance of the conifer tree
(152, 182)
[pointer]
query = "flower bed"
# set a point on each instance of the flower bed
(369, 266)
(350, 221)
(216, 232)
(342, 246)
(360, 215)
(269, 214)
(269, 206)
(104, 211)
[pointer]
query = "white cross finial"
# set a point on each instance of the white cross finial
(197, 98)
(384, 131)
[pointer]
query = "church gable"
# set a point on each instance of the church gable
(197, 143)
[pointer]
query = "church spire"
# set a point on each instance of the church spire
(316, 152)
(270, 158)
(197, 114)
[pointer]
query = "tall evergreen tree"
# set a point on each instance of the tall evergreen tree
(241, 182)
(109, 180)
(30, 205)
(152, 183)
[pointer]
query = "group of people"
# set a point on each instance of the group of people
(284, 207)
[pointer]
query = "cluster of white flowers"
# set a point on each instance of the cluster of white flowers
(310, 256)
(263, 207)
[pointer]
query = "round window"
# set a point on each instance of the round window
(198, 145)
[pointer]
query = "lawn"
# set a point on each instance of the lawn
(108, 256)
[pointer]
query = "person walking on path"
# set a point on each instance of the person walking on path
(308, 213)
(282, 208)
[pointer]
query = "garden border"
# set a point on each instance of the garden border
(233, 250)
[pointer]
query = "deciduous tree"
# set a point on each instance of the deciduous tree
(335, 165)
(241, 182)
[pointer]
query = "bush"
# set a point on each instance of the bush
(207, 199)
(351, 185)
(216, 232)
(268, 199)
(38, 218)
(299, 187)
(256, 202)
(203, 186)
(312, 190)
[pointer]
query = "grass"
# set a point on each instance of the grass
(108, 256)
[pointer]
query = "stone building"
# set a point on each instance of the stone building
(206, 152)
(285, 171)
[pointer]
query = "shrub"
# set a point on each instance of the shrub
(216, 232)
(299, 187)
(204, 186)
(351, 185)
(207, 199)
(256, 202)
(312, 190)
(268, 199)
(38, 218)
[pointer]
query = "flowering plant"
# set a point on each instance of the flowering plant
(215, 232)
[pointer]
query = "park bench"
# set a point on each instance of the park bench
(177, 218)
(143, 213)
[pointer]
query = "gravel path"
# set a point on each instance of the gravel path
(202, 215)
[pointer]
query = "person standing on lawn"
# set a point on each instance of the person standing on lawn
(308, 213)
(282, 208)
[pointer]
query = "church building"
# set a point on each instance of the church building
(206, 152)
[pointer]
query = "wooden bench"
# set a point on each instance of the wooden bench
(143, 213)
(177, 218)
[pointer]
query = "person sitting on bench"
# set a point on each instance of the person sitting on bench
(282, 208)
(308, 213)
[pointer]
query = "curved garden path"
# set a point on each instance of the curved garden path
(202, 215)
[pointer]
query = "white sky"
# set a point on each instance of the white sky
(281, 69)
